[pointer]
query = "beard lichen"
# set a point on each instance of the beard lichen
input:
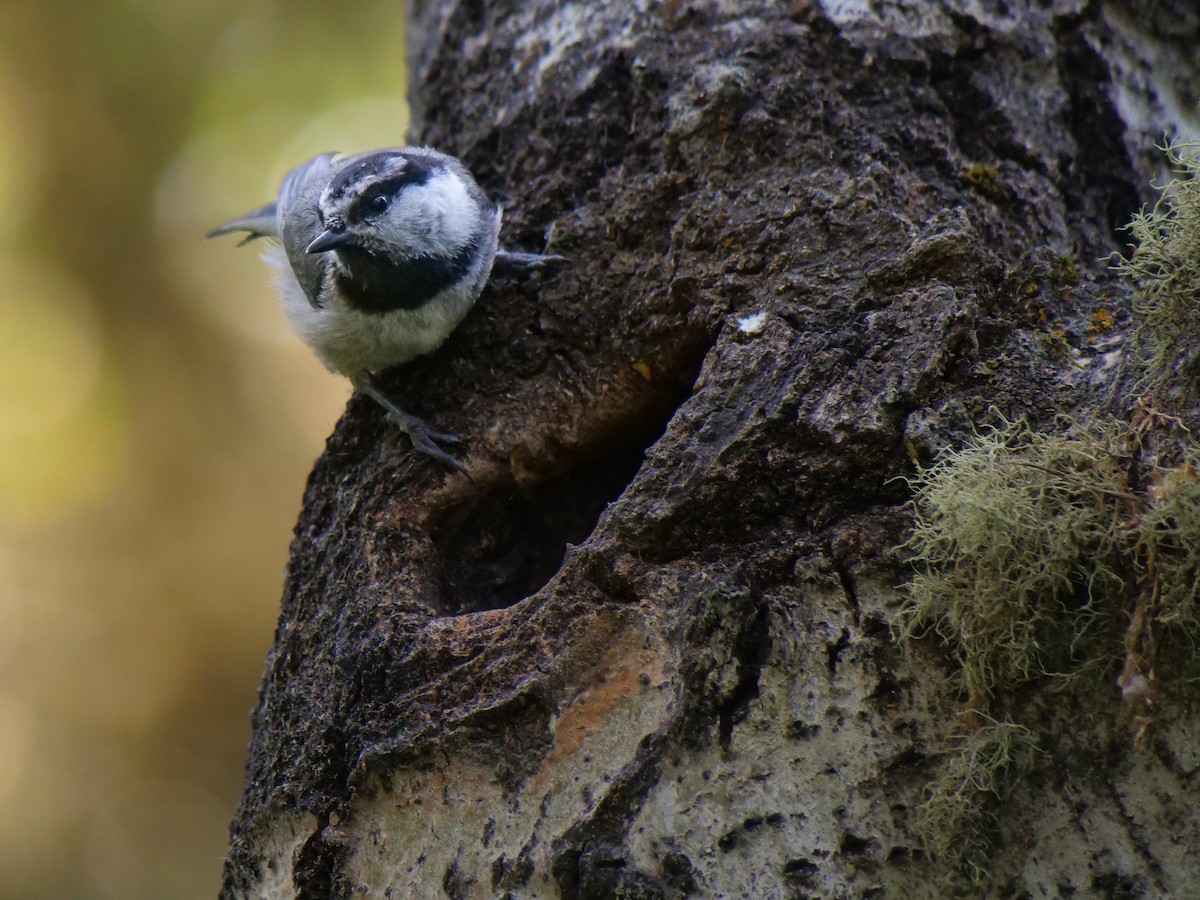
(958, 817)
(1017, 545)
(1164, 624)
(1164, 263)
(1067, 557)
(1038, 563)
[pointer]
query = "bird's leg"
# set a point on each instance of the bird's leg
(421, 435)
(511, 262)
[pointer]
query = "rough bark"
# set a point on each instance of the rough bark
(644, 649)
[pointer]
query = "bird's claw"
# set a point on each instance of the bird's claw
(514, 262)
(424, 438)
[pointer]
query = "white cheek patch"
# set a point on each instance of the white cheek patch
(436, 217)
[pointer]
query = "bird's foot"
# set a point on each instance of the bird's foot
(425, 439)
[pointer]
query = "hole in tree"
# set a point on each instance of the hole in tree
(504, 546)
(508, 542)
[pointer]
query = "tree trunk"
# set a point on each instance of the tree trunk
(646, 649)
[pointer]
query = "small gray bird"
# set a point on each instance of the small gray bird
(382, 255)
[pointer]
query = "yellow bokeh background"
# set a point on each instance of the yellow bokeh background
(157, 421)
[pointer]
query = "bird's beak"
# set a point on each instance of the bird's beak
(328, 240)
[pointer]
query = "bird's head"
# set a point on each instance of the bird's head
(398, 205)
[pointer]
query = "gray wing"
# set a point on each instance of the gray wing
(298, 224)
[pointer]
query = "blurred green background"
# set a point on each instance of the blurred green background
(157, 421)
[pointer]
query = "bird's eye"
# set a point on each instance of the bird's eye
(378, 203)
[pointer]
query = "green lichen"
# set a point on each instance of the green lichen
(1016, 543)
(1034, 556)
(984, 178)
(1165, 622)
(957, 820)
(1063, 270)
(1165, 265)
(1171, 533)
(1021, 549)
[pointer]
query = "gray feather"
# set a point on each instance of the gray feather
(299, 224)
(292, 219)
(259, 223)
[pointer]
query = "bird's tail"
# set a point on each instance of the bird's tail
(259, 223)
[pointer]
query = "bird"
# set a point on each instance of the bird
(378, 257)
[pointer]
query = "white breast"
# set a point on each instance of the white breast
(352, 342)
